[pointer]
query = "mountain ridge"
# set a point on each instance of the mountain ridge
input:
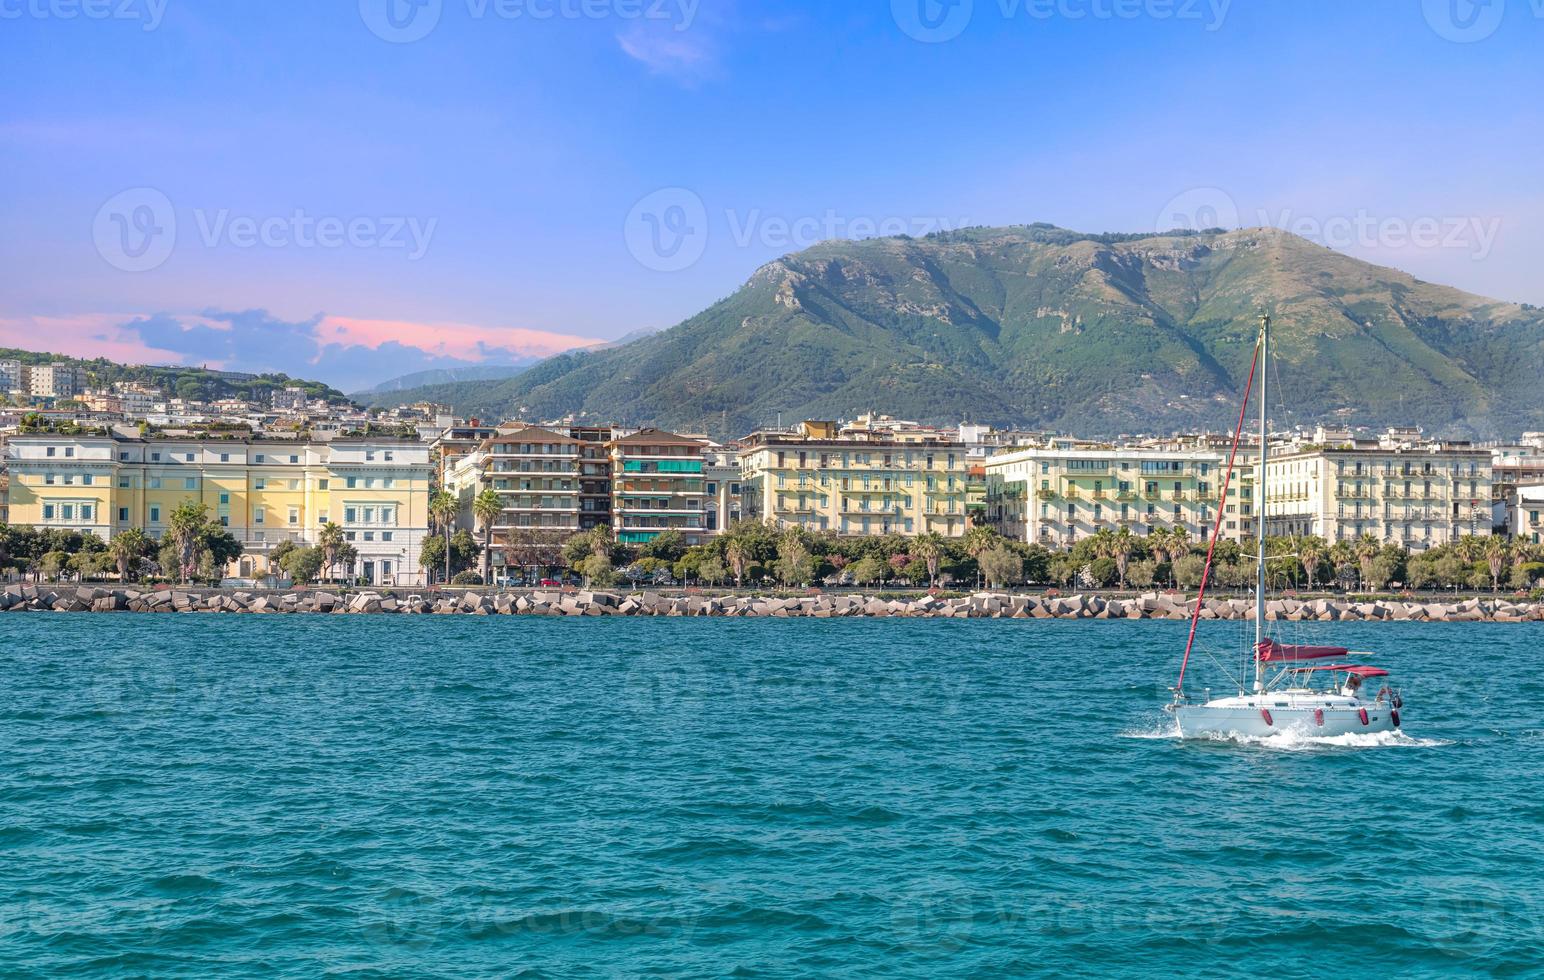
(1041, 327)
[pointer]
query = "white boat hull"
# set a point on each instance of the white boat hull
(1267, 717)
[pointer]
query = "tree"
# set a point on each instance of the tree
(127, 547)
(1367, 548)
(185, 529)
(929, 549)
(443, 508)
(738, 555)
(1497, 554)
(794, 562)
(712, 571)
(487, 508)
(463, 551)
(597, 572)
(1117, 546)
(432, 555)
(668, 546)
(1188, 571)
(1064, 569)
(1001, 566)
(868, 570)
(303, 564)
(1312, 552)
(978, 541)
(1142, 574)
(330, 540)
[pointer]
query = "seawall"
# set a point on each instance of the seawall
(985, 605)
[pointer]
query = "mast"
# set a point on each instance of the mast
(1260, 497)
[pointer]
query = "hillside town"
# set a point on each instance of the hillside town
(300, 489)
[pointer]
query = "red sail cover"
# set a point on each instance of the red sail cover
(1273, 652)
(1351, 669)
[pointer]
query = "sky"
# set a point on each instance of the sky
(351, 190)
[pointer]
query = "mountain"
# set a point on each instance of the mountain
(194, 383)
(1042, 327)
(443, 376)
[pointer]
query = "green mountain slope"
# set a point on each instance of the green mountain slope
(1038, 326)
(187, 382)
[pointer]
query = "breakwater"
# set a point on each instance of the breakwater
(984, 605)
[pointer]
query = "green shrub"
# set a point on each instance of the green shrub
(467, 578)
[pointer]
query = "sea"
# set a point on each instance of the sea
(304, 796)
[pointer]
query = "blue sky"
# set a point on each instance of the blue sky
(312, 186)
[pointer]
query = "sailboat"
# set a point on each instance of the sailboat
(1314, 691)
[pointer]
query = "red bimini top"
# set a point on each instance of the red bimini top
(1364, 672)
(1272, 652)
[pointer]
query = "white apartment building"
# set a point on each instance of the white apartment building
(1418, 495)
(1525, 514)
(1059, 494)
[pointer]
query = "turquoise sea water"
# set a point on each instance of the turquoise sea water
(298, 796)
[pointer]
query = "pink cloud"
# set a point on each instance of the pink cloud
(459, 340)
(84, 335)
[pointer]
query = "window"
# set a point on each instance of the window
(123, 483)
(321, 518)
(386, 456)
(294, 484)
(155, 457)
(51, 451)
(258, 458)
(48, 512)
(123, 515)
(225, 520)
(387, 515)
(350, 515)
(155, 515)
(190, 483)
(225, 499)
(294, 459)
(294, 515)
(48, 479)
(86, 479)
(369, 535)
(259, 484)
(349, 535)
(387, 535)
(352, 481)
(155, 483)
(369, 456)
(321, 484)
(225, 457)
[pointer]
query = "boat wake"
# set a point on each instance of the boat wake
(1291, 740)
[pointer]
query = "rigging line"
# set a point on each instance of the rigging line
(1222, 512)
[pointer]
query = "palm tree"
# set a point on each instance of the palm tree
(1367, 548)
(978, 541)
(1496, 554)
(330, 540)
(487, 508)
(738, 556)
(1158, 542)
(1312, 553)
(185, 527)
(125, 548)
(929, 548)
(444, 507)
(1119, 546)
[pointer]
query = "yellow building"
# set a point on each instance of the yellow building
(854, 484)
(265, 492)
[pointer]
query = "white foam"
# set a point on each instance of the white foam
(1291, 740)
